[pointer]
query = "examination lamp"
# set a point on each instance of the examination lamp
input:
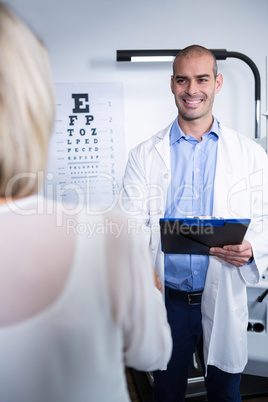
(220, 54)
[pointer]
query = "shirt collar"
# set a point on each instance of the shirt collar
(176, 133)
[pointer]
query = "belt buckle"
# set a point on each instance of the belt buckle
(189, 299)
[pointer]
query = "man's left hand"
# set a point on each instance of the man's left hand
(237, 255)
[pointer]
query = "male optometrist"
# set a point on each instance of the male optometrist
(196, 166)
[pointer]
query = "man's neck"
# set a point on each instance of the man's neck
(195, 128)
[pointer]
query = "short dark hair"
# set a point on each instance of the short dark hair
(196, 51)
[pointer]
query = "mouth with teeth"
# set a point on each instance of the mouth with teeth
(192, 102)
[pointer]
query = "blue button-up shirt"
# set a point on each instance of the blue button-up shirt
(190, 193)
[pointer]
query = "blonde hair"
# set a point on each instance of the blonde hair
(27, 106)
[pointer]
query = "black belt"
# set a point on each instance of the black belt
(192, 298)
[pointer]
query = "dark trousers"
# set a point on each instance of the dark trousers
(170, 385)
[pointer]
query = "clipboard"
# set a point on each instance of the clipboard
(197, 235)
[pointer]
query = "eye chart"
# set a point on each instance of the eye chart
(87, 149)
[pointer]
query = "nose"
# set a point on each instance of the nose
(191, 88)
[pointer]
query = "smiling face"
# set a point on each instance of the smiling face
(194, 87)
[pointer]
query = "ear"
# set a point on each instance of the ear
(172, 84)
(219, 82)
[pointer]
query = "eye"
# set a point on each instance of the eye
(180, 80)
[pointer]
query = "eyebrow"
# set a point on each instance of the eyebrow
(196, 76)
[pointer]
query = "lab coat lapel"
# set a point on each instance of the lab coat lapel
(225, 173)
(162, 146)
(223, 177)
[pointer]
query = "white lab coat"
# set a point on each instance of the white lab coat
(240, 191)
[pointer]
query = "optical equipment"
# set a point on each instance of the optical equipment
(220, 54)
(255, 327)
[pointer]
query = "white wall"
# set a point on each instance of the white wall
(82, 37)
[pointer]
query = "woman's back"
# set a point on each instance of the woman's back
(77, 304)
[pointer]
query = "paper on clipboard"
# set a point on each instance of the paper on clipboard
(198, 235)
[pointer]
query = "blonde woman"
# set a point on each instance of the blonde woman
(74, 310)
